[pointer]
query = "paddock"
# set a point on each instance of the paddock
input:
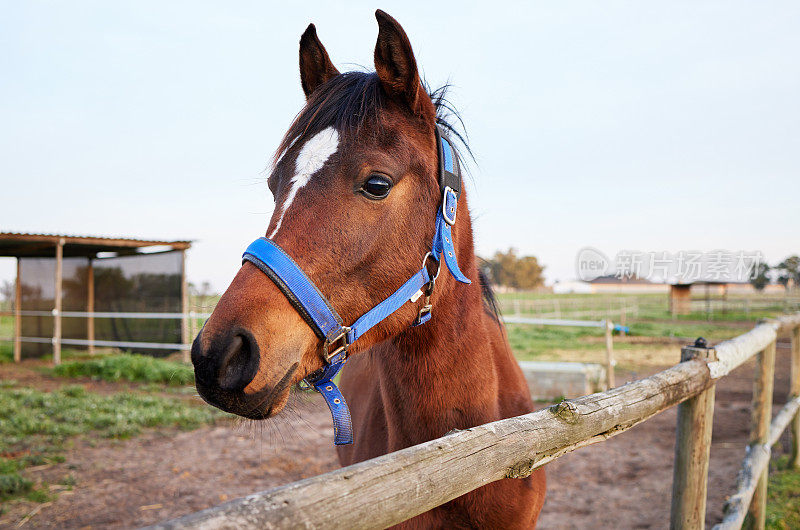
(395, 487)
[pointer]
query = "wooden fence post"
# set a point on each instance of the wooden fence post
(90, 306)
(609, 355)
(18, 314)
(184, 310)
(58, 300)
(759, 432)
(794, 390)
(692, 447)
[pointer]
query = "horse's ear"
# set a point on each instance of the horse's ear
(315, 65)
(394, 61)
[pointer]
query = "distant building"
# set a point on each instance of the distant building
(609, 284)
(614, 284)
(572, 287)
(680, 294)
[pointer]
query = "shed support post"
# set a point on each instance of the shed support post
(57, 308)
(90, 305)
(794, 391)
(759, 432)
(18, 314)
(692, 448)
(609, 355)
(184, 309)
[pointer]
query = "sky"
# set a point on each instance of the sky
(654, 126)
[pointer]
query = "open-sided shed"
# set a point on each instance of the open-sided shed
(90, 292)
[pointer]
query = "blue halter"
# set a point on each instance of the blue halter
(323, 319)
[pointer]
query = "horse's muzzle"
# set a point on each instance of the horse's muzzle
(225, 365)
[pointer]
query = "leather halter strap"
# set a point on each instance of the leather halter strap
(323, 319)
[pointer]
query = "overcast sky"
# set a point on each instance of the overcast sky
(618, 125)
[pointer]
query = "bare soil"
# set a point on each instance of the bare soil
(622, 483)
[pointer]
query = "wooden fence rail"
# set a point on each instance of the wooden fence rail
(395, 487)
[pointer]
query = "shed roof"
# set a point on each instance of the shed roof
(24, 245)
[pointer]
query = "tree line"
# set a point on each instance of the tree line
(787, 273)
(510, 270)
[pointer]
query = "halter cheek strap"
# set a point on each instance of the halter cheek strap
(323, 319)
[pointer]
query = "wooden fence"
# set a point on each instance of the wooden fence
(395, 487)
(189, 329)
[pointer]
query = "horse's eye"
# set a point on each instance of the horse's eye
(376, 187)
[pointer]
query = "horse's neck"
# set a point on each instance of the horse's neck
(443, 375)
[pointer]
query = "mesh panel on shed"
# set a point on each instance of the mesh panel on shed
(145, 283)
(139, 283)
(38, 294)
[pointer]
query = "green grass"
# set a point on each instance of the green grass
(6, 347)
(689, 330)
(129, 367)
(36, 427)
(32, 415)
(529, 342)
(6, 352)
(651, 306)
(783, 497)
(6, 326)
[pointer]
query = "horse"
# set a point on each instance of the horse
(356, 194)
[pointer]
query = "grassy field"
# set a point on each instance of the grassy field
(641, 306)
(783, 497)
(38, 426)
(556, 343)
(6, 330)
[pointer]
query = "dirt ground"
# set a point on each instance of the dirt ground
(622, 483)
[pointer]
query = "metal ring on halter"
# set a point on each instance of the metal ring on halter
(438, 263)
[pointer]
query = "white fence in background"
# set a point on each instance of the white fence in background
(191, 316)
(619, 309)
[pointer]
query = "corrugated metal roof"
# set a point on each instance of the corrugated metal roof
(22, 244)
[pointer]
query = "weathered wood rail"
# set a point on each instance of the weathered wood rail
(395, 487)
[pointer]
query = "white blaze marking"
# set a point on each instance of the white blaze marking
(317, 150)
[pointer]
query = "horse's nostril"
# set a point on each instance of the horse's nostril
(239, 363)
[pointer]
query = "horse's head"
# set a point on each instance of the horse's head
(356, 192)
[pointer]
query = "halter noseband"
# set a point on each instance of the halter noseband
(323, 319)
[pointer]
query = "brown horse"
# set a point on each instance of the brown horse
(355, 183)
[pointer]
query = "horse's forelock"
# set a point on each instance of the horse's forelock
(353, 100)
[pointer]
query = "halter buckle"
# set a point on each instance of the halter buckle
(424, 313)
(449, 204)
(336, 347)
